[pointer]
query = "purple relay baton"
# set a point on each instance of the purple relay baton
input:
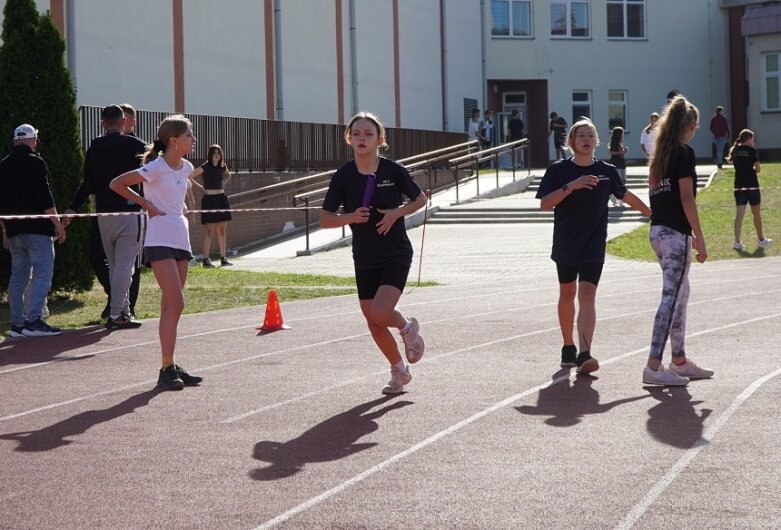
(368, 191)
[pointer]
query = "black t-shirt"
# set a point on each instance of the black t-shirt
(580, 220)
(743, 158)
(108, 157)
(370, 249)
(213, 176)
(515, 126)
(666, 206)
(25, 189)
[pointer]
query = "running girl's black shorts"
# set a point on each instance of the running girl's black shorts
(743, 197)
(370, 280)
(584, 272)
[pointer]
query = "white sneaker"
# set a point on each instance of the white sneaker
(691, 370)
(764, 243)
(663, 377)
(738, 246)
(413, 342)
(397, 381)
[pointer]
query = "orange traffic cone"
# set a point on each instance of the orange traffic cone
(273, 320)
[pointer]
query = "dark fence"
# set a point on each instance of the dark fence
(263, 145)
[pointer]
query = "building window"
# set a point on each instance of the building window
(511, 18)
(771, 85)
(581, 104)
(626, 19)
(569, 18)
(616, 108)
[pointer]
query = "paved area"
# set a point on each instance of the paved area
(289, 429)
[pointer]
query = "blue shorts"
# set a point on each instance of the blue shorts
(752, 197)
(369, 281)
(584, 272)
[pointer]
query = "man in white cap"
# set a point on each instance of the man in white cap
(25, 190)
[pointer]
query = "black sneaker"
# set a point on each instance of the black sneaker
(17, 332)
(586, 363)
(169, 378)
(207, 263)
(39, 328)
(132, 319)
(121, 322)
(189, 380)
(569, 356)
(224, 262)
(106, 311)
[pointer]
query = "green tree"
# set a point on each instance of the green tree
(36, 88)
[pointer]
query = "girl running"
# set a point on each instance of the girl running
(743, 156)
(167, 242)
(381, 250)
(672, 188)
(577, 190)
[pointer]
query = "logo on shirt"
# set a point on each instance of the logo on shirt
(602, 177)
(665, 185)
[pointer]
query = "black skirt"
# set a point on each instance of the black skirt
(215, 202)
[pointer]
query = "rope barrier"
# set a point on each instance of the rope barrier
(115, 214)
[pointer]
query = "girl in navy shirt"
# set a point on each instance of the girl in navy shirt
(381, 250)
(577, 190)
(743, 156)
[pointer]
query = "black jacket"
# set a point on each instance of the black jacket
(25, 189)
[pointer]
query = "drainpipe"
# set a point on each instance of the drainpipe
(482, 53)
(278, 58)
(70, 31)
(443, 52)
(353, 57)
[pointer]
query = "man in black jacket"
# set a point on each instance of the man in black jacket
(109, 156)
(25, 190)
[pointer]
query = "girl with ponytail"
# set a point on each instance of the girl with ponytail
(675, 230)
(743, 156)
(164, 175)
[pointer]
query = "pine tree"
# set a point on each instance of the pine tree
(36, 88)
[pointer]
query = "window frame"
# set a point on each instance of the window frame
(511, 28)
(766, 77)
(623, 103)
(568, 18)
(588, 102)
(625, 4)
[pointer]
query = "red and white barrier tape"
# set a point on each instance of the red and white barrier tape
(114, 214)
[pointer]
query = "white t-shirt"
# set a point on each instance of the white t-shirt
(473, 130)
(647, 140)
(166, 188)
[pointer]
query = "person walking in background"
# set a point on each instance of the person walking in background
(648, 135)
(215, 175)
(617, 158)
(577, 191)
(25, 190)
(558, 129)
(720, 130)
(672, 189)
(743, 156)
(516, 131)
(474, 122)
(167, 243)
(122, 236)
(382, 251)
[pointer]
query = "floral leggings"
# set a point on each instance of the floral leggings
(673, 250)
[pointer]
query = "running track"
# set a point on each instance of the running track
(289, 430)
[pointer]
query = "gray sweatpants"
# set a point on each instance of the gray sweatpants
(123, 238)
(673, 250)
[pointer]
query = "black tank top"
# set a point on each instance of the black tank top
(212, 176)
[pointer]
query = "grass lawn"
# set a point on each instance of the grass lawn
(716, 205)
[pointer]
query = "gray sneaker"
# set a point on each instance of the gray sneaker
(691, 370)
(397, 381)
(663, 377)
(413, 342)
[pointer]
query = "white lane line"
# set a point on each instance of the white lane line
(680, 466)
(314, 501)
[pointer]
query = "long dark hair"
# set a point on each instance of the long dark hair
(616, 137)
(744, 135)
(678, 116)
(210, 154)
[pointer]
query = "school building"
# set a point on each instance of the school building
(424, 64)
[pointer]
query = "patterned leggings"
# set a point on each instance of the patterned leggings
(673, 250)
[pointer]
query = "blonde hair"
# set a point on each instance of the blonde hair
(744, 135)
(678, 116)
(573, 131)
(368, 116)
(169, 128)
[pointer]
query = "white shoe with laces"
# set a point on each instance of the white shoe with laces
(765, 243)
(397, 381)
(663, 377)
(413, 342)
(691, 370)
(738, 246)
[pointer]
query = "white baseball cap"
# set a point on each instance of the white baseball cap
(25, 131)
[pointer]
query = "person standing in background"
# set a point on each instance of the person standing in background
(516, 131)
(558, 129)
(648, 135)
(25, 190)
(720, 130)
(743, 156)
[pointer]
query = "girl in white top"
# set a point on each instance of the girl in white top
(167, 242)
(648, 135)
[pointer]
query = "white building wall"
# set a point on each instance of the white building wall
(463, 59)
(675, 54)
(766, 125)
(374, 53)
(224, 58)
